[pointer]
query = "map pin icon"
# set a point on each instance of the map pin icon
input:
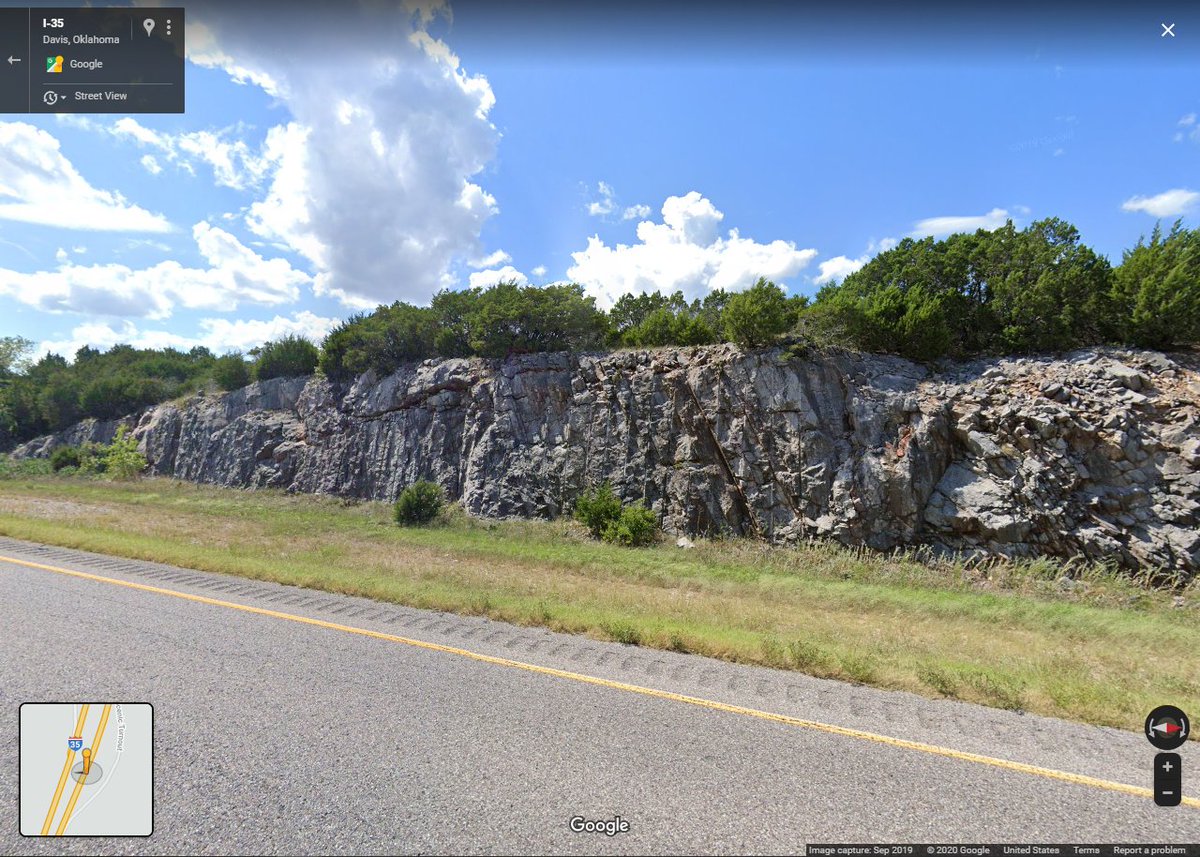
(149, 25)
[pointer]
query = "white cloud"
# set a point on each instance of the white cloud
(221, 334)
(1169, 203)
(539, 271)
(236, 275)
(1190, 129)
(684, 252)
(61, 255)
(38, 184)
(234, 163)
(217, 334)
(940, 227)
(372, 180)
(838, 268)
(499, 257)
(508, 274)
(605, 204)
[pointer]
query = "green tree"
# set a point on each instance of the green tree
(671, 326)
(511, 319)
(379, 342)
(757, 316)
(1002, 290)
(1049, 292)
(289, 357)
(1156, 290)
(58, 401)
(631, 311)
(231, 371)
(14, 355)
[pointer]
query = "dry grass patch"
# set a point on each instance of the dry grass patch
(999, 634)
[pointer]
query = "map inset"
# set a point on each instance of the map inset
(87, 769)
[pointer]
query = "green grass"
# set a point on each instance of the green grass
(1003, 634)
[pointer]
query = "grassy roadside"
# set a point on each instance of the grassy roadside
(1105, 650)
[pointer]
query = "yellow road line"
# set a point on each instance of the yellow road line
(62, 780)
(83, 710)
(933, 749)
(62, 825)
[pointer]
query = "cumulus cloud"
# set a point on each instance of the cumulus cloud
(217, 334)
(373, 178)
(636, 212)
(840, 267)
(1169, 203)
(499, 257)
(236, 275)
(539, 271)
(507, 274)
(684, 252)
(38, 184)
(940, 227)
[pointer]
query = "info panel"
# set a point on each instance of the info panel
(92, 60)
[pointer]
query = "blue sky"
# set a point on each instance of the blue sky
(340, 160)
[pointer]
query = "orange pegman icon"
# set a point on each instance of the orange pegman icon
(87, 760)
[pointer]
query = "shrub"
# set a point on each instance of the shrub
(65, 456)
(380, 341)
(419, 503)
(597, 508)
(231, 371)
(15, 468)
(636, 527)
(511, 319)
(1156, 290)
(121, 457)
(290, 357)
(1003, 290)
(667, 327)
(757, 316)
(92, 458)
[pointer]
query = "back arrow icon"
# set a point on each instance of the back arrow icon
(12, 60)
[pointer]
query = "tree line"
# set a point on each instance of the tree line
(1003, 291)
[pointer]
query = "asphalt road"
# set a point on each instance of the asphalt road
(277, 736)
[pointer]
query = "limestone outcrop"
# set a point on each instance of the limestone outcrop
(1094, 453)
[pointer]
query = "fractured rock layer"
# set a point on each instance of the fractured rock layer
(1096, 453)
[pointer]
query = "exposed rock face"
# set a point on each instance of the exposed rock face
(1096, 453)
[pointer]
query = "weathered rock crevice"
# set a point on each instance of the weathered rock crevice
(1095, 453)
